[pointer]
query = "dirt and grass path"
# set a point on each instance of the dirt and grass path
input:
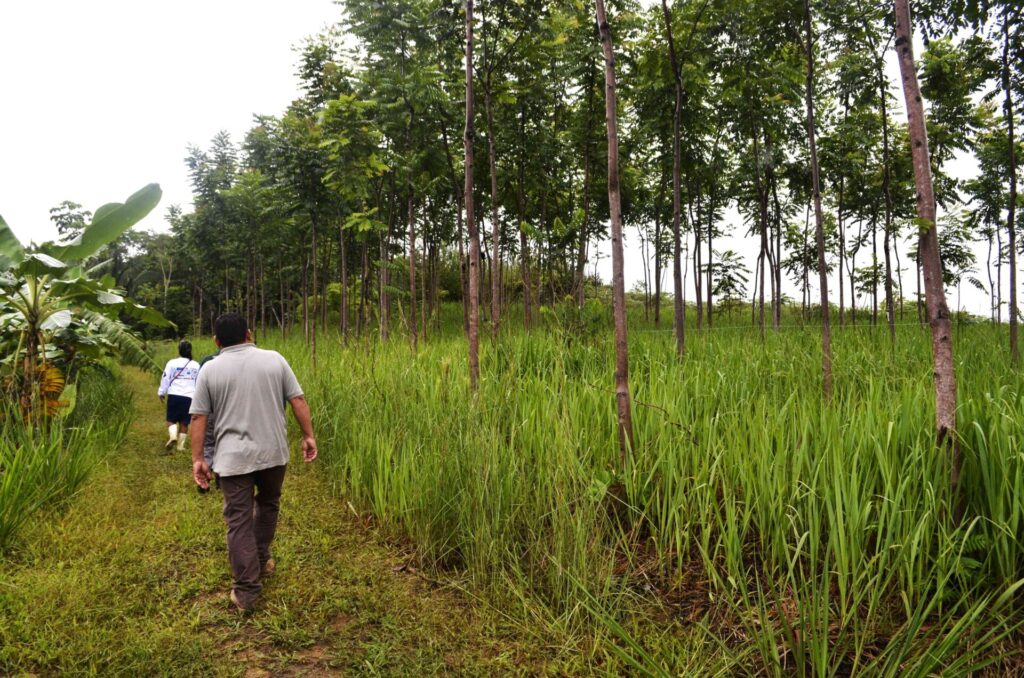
(132, 579)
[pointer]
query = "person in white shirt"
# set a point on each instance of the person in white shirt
(178, 385)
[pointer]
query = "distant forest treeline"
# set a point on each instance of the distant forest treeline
(319, 214)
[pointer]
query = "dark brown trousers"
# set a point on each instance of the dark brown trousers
(251, 505)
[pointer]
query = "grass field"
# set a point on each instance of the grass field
(131, 579)
(753, 530)
(42, 468)
(800, 536)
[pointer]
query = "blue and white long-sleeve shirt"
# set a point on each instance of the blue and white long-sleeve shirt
(179, 378)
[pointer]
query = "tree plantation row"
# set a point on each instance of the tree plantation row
(356, 203)
(358, 189)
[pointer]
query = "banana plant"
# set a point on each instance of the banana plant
(55, 313)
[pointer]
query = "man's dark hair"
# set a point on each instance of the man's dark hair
(185, 349)
(230, 329)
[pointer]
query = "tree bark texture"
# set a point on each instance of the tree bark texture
(679, 320)
(1011, 214)
(935, 295)
(890, 309)
(819, 228)
(495, 225)
(625, 415)
(474, 234)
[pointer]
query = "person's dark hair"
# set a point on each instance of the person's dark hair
(185, 349)
(230, 329)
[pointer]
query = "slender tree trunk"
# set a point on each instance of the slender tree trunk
(935, 295)
(383, 284)
(625, 414)
(410, 212)
(343, 272)
(991, 283)
(463, 284)
(842, 245)
(281, 299)
(677, 112)
(899, 275)
(364, 287)
(495, 225)
(467, 194)
(679, 306)
(424, 297)
(695, 221)
(762, 194)
(385, 271)
(312, 326)
(645, 264)
(874, 269)
(852, 270)
(887, 191)
(250, 284)
(322, 307)
(524, 243)
(1011, 214)
(999, 276)
(458, 233)
(658, 204)
(819, 228)
(263, 294)
(305, 299)
(711, 233)
(777, 219)
(758, 271)
(411, 216)
(581, 252)
(805, 296)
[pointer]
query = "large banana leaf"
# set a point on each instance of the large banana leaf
(40, 264)
(109, 222)
(131, 350)
(146, 314)
(11, 251)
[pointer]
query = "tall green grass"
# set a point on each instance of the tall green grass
(821, 537)
(40, 468)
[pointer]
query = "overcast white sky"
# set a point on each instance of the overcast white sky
(100, 98)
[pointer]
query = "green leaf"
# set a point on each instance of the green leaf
(105, 297)
(131, 350)
(110, 221)
(37, 263)
(529, 230)
(922, 224)
(69, 396)
(11, 251)
(148, 315)
(57, 321)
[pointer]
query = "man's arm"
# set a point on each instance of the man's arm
(200, 469)
(301, 410)
(162, 391)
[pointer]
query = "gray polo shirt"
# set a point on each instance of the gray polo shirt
(247, 388)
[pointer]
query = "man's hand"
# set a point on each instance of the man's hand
(301, 410)
(200, 469)
(308, 448)
(162, 398)
(202, 475)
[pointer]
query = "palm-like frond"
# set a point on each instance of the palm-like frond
(131, 349)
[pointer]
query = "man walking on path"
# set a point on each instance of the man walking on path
(247, 388)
